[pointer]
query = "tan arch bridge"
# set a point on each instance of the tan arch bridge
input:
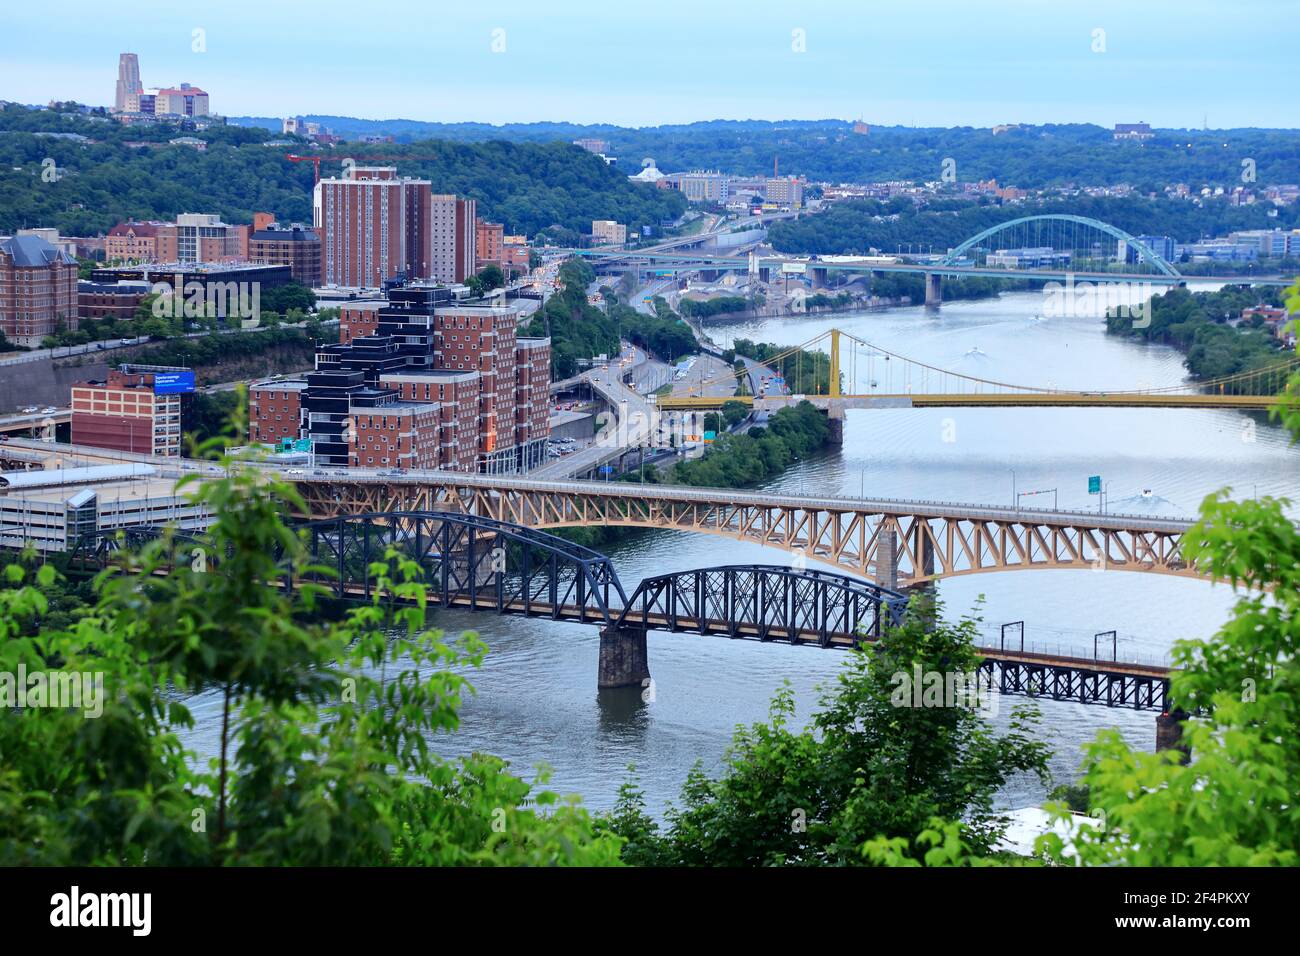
(896, 543)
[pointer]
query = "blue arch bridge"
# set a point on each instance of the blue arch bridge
(484, 565)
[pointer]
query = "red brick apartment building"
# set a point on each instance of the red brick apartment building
(38, 289)
(131, 241)
(418, 381)
(400, 435)
(358, 319)
(455, 394)
(489, 242)
(132, 410)
(532, 398)
(275, 410)
(373, 226)
(109, 300)
(482, 338)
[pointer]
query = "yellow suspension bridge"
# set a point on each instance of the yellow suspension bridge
(838, 367)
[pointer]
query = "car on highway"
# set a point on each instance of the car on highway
(29, 410)
(294, 471)
(48, 410)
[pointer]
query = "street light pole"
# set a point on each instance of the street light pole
(1015, 499)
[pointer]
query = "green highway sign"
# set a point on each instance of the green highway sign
(1094, 484)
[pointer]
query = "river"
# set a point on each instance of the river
(536, 698)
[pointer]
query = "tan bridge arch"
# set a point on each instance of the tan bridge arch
(896, 543)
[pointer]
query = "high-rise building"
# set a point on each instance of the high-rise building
(489, 243)
(38, 289)
(453, 238)
(374, 226)
(128, 82)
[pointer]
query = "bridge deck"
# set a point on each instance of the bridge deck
(978, 400)
(774, 634)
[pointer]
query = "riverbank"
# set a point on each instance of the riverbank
(1208, 329)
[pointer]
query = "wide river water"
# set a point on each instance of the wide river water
(537, 700)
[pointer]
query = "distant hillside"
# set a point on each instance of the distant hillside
(829, 150)
(527, 186)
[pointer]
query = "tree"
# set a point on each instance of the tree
(323, 754)
(491, 277)
(1234, 804)
(871, 765)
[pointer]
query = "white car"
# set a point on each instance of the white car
(295, 471)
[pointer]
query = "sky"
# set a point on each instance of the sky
(1172, 63)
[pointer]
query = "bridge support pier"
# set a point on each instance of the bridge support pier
(1169, 733)
(835, 417)
(887, 560)
(933, 291)
(623, 658)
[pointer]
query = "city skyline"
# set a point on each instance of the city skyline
(1014, 62)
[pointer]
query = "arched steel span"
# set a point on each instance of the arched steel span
(767, 603)
(1158, 261)
(98, 547)
(469, 561)
(895, 543)
(483, 564)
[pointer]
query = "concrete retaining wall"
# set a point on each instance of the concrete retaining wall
(44, 383)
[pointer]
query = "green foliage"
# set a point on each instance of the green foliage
(324, 753)
(207, 414)
(708, 308)
(742, 460)
(865, 770)
(208, 350)
(827, 150)
(577, 329)
(527, 186)
(1196, 322)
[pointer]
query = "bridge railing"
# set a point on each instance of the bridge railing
(1058, 650)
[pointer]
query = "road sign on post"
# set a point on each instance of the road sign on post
(1094, 484)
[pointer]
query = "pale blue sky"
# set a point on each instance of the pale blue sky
(650, 62)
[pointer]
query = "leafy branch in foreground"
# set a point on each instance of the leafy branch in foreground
(324, 731)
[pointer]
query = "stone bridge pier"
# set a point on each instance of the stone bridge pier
(623, 658)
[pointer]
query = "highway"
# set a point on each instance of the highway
(628, 426)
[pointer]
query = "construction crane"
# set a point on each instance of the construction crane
(392, 160)
(314, 160)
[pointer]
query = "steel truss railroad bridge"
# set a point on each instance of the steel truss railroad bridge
(481, 564)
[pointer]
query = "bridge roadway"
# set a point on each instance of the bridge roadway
(894, 542)
(20, 421)
(979, 400)
(704, 261)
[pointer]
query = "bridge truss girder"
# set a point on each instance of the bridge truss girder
(766, 603)
(468, 561)
(1072, 682)
(895, 549)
